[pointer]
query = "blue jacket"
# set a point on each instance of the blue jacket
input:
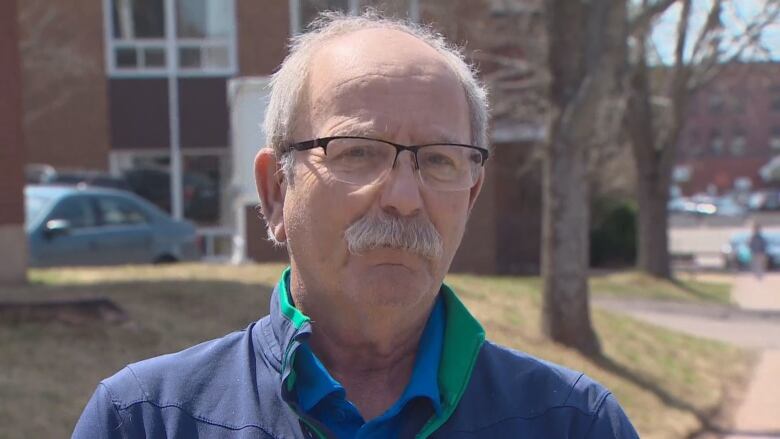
(239, 386)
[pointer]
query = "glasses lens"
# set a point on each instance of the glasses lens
(359, 161)
(449, 167)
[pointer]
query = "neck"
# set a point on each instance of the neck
(374, 373)
(370, 352)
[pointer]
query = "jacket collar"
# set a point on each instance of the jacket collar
(463, 338)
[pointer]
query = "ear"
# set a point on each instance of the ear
(271, 187)
(474, 191)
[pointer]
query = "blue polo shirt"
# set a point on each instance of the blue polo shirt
(324, 398)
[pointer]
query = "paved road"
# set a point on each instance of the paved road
(754, 324)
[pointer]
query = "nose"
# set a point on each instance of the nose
(400, 193)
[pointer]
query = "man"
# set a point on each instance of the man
(377, 144)
(757, 246)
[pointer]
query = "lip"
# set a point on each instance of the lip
(391, 257)
(391, 264)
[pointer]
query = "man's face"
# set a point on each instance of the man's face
(385, 85)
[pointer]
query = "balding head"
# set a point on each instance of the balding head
(378, 82)
(287, 101)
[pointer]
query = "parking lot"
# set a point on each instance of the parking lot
(704, 237)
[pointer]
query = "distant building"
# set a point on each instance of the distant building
(96, 97)
(12, 237)
(732, 130)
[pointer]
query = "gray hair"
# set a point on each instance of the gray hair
(288, 83)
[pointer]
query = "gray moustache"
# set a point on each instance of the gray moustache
(381, 230)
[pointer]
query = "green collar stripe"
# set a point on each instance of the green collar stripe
(463, 338)
(292, 313)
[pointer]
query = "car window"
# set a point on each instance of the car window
(109, 182)
(118, 211)
(66, 179)
(33, 206)
(76, 210)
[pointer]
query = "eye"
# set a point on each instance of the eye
(438, 159)
(354, 152)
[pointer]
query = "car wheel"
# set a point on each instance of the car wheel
(165, 259)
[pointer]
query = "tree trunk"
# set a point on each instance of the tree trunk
(652, 230)
(565, 226)
(654, 158)
(586, 58)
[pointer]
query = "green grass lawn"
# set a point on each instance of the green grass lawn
(48, 370)
(632, 284)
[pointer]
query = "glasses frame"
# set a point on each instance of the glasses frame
(322, 142)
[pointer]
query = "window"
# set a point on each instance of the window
(116, 211)
(716, 103)
(774, 140)
(774, 96)
(690, 143)
(33, 207)
(681, 173)
(302, 12)
(310, 8)
(198, 39)
(204, 176)
(716, 142)
(737, 100)
(738, 142)
(76, 210)
(394, 8)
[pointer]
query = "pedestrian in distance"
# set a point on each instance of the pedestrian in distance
(757, 244)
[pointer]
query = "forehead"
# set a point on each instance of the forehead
(385, 81)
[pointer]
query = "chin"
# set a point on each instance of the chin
(391, 285)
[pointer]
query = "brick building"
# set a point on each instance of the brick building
(97, 95)
(12, 236)
(732, 129)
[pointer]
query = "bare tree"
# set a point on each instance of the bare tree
(658, 102)
(586, 59)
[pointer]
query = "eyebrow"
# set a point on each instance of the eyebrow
(367, 132)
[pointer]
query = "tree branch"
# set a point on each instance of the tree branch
(708, 33)
(647, 15)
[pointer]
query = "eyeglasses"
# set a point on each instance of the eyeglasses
(365, 161)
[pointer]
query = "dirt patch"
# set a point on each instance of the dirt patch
(70, 311)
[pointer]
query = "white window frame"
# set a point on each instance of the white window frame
(296, 27)
(117, 158)
(170, 46)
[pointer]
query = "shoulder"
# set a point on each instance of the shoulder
(224, 382)
(551, 385)
(171, 378)
(511, 391)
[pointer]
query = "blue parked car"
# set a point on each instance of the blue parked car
(75, 225)
(736, 254)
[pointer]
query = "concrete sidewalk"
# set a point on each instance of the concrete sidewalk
(752, 294)
(756, 329)
(759, 415)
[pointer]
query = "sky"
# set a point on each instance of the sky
(737, 13)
